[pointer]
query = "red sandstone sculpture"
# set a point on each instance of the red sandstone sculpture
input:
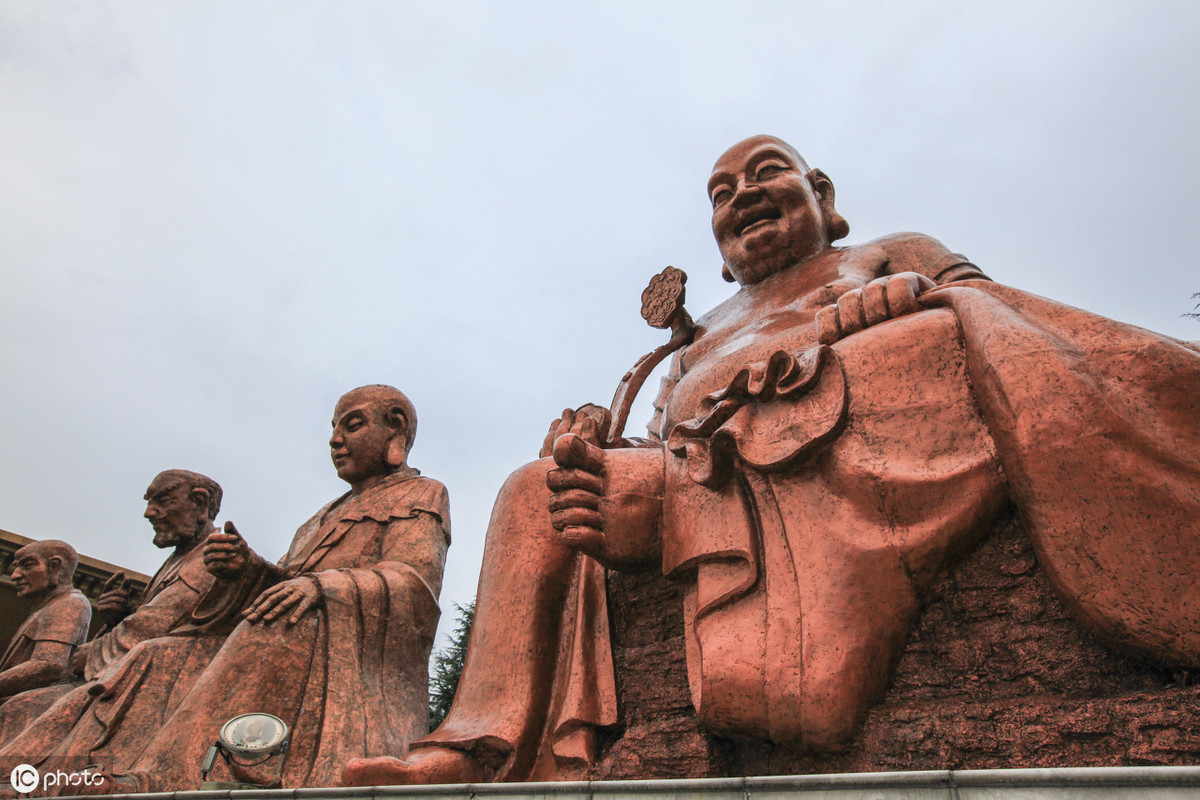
(338, 645)
(40, 650)
(130, 673)
(838, 430)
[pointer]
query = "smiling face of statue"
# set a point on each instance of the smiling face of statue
(178, 511)
(372, 429)
(770, 211)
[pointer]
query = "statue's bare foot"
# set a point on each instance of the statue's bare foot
(423, 766)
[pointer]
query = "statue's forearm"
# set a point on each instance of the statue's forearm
(40, 670)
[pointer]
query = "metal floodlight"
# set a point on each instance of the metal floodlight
(256, 735)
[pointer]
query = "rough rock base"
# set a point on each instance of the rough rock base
(996, 675)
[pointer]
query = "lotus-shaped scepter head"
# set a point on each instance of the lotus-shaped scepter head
(662, 307)
(662, 299)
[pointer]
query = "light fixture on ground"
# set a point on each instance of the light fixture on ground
(256, 737)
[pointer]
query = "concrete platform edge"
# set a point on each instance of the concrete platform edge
(1099, 782)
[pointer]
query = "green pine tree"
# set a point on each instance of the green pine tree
(446, 666)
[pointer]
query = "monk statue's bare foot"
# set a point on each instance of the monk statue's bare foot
(422, 766)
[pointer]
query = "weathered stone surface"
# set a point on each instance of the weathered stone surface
(334, 639)
(338, 645)
(41, 648)
(127, 675)
(829, 439)
(996, 675)
(659, 735)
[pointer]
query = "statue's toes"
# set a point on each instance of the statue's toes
(381, 770)
(423, 766)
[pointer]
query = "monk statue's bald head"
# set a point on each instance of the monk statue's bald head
(373, 432)
(770, 210)
(40, 568)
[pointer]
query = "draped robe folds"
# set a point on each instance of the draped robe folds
(63, 619)
(350, 678)
(812, 494)
(142, 653)
(130, 698)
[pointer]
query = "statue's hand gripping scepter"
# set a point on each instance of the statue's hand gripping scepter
(582, 526)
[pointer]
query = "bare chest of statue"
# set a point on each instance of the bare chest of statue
(776, 314)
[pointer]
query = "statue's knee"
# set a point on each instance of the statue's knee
(524, 491)
(528, 479)
(519, 514)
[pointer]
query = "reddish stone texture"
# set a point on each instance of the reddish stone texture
(338, 646)
(828, 440)
(996, 675)
(38, 657)
(334, 639)
(659, 735)
(127, 676)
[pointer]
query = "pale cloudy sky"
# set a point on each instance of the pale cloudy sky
(217, 217)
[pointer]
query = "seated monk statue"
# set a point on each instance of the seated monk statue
(40, 651)
(337, 645)
(847, 422)
(161, 636)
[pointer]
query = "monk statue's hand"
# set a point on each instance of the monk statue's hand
(576, 487)
(116, 599)
(590, 422)
(880, 300)
(226, 554)
(298, 595)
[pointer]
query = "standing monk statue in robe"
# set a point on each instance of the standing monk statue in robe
(834, 433)
(338, 644)
(78, 720)
(40, 651)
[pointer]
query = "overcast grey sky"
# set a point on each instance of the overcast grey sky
(217, 217)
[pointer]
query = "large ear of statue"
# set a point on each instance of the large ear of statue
(200, 496)
(396, 449)
(54, 566)
(835, 224)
